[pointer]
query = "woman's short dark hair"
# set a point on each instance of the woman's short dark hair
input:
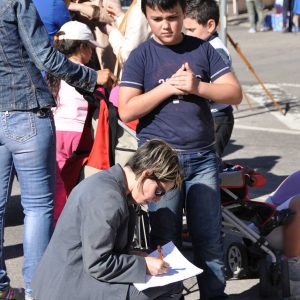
(159, 158)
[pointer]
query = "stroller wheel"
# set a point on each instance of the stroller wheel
(236, 261)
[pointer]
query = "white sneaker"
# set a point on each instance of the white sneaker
(264, 29)
(252, 30)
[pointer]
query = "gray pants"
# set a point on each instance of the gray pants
(255, 7)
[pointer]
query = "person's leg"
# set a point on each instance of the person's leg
(251, 14)
(259, 7)
(291, 15)
(204, 221)
(6, 175)
(291, 246)
(66, 143)
(285, 9)
(60, 192)
(32, 143)
(291, 231)
(171, 291)
(165, 219)
(296, 22)
(288, 188)
(223, 130)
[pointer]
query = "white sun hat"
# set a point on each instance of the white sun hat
(74, 30)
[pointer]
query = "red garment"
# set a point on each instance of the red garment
(133, 124)
(99, 156)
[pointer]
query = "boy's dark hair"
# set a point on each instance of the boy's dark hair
(202, 11)
(162, 4)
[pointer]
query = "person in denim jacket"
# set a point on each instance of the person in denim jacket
(27, 133)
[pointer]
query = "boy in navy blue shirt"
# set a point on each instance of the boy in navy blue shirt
(166, 82)
(201, 21)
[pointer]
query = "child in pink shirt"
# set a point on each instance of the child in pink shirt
(75, 40)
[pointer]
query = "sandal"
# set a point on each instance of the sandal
(12, 294)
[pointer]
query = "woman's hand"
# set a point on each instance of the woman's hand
(86, 10)
(156, 266)
(114, 10)
(110, 27)
(90, 11)
(105, 77)
(104, 17)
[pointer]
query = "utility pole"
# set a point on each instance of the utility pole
(223, 21)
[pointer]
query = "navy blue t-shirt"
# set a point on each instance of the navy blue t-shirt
(185, 122)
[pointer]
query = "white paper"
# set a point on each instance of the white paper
(180, 268)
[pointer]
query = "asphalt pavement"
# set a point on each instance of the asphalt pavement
(266, 134)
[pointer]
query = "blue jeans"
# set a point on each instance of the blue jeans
(201, 194)
(27, 145)
(165, 219)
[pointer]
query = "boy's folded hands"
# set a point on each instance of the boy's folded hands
(184, 80)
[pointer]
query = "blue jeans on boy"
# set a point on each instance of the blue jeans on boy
(27, 146)
(203, 206)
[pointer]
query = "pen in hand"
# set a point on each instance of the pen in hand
(160, 254)
(156, 265)
(165, 266)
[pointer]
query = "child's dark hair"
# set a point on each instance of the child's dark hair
(67, 47)
(162, 4)
(202, 11)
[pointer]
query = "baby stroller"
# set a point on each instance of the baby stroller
(258, 225)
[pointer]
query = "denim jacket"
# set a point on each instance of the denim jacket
(25, 50)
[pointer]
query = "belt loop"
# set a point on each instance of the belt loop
(42, 112)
